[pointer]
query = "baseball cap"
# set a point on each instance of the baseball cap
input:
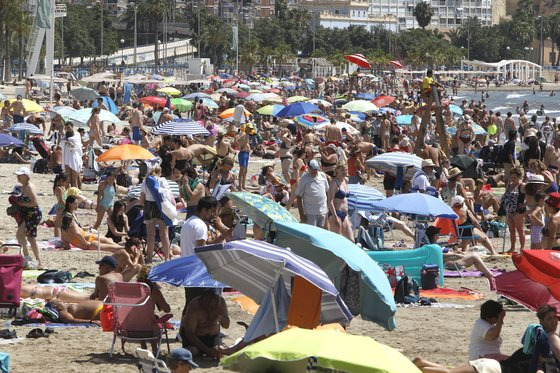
(108, 260)
(431, 231)
(457, 200)
(23, 171)
(313, 164)
(182, 354)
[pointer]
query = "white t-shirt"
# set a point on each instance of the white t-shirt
(420, 181)
(313, 191)
(162, 185)
(239, 114)
(193, 229)
(478, 346)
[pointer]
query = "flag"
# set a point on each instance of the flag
(234, 43)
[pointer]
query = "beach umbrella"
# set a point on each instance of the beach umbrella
(364, 96)
(180, 127)
(542, 266)
(198, 95)
(342, 260)
(169, 91)
(255, 267)
(154, 101)
(301, 350)
(270, 109)
(416, 204)
(210, 104)
(134, 192)
(478, 130)
(293, 99)
(243, 94)
(298, 108)
(182, 104)
(84, 94)
(186, 271)
(466, 164)
(362, 106)
(397, 64)
(358, 59)
(228, 91)
(263, 211)
(389, 162)
(8, 140)
(124, 153)
(404, 120)
(456, 109)
(362, 197)
(29, 106)
(255, 91)
(340, 126)
(157, 114)
(317, 101)
(383, 100)
(25, 127)
(311, 120)
(225, 76)
(519, 288)
(229, 113)
(64, 111)
(83, 116)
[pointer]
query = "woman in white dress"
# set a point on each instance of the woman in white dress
(72, 155)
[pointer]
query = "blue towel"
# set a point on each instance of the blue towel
(400, 178)
(127, 93)
(153, 186)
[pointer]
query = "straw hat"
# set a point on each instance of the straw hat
(454, 172)
(428, 163)
(530, 132)
(536, 179)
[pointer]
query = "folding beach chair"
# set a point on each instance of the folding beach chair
(147, 362)
(134, 319)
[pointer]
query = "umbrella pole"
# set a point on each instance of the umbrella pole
(274, 310)
(98, 246)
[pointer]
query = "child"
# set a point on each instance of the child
(536, 217)
(6, 117)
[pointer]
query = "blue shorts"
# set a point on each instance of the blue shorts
(136, 136)
(243, 158)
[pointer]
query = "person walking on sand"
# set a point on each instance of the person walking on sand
(72, 155)
(31, 214)
(243, 156)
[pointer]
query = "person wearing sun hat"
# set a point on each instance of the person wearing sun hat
(551, 231)
(454, 187)
(468, 225)
(421, 179)
(31, 214)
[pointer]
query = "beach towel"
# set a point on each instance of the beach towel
(162, 200)
(469, 273)
(61, 325)
(109, 104)
(448, 293)
(127, 93)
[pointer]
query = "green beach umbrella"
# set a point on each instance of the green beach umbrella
(293, 99)
(361, 106)
(291, 350)
(261, 210)
(270, 109)
(181, 104)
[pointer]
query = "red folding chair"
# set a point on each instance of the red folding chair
(133, 315)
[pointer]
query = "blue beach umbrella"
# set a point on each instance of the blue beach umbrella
(404, 120)
(298, 108)
(456, 109)
(362, 197)
(8, 140)
(416, 204)
(364, 96)
(186, 271)
(261, 210)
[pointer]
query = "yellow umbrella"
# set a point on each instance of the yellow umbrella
(29, 106)
(293, 99)
(169, 91)
(125, 152)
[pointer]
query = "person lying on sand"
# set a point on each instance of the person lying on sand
(457, 260)
(474, 366)
(73, 234)
(52, 292)
(86, 311)
(107, 275)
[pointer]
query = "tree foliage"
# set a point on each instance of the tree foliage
(423, 13)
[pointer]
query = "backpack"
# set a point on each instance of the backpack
(41, 166)
(407, 290)
(429, 276)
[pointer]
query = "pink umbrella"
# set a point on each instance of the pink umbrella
(358, 59)
(243, 94)
(382, 100)
(397, 64)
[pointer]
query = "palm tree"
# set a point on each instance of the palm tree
(423, 13)
(454, 36)
(22, 28)
(156, 10)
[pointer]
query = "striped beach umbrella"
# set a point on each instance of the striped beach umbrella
(180, 127)
(25, 127)
(389, 162)
(362, 196)
(134, 192)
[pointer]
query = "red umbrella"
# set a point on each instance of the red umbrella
(397, 64)
(542, 266)
(243, 94)
(382, 100)
(358, 59)
(273, 90)
(154, 101)
(516, 286)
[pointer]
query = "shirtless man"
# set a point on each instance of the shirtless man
(136, 120)
(57, 124)
(552, 156)
(333, 134)
(367, 148)
(107, 275)
(58, 100)
(509, 123)
(103, 91)
(101, 104)
(180, 156)
(166, 116)
(55, 160)
(18, 110)
(434, 153)
(497, 120)
(86, 311)
(130, 259)
(465, 135)
(200, 326)
(243, 155)
(385, 132)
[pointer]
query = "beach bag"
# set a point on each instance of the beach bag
(41, 166)
(168, 207)
(106, 317)
(54, 276)
(429, 276)
(407, 291)
(391, 274)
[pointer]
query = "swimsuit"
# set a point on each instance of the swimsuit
(31, 216)
(243, 158)
(108, 197)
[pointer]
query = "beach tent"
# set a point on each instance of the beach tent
(109, 103)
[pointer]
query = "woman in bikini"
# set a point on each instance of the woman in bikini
(284, 152)
(466, 219)
(298, 166)
(222, 175)
(74, 234)
(337, 202)
(94, 125)
(513, 202)
(551, 231)
(60, 186)
(52, 292)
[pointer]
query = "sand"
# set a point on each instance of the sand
(437, 334)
